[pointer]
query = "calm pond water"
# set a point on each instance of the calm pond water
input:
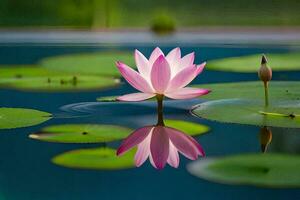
(26, 172)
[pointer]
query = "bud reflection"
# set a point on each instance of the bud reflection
(265, 137)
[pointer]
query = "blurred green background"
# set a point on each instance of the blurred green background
(134, 13)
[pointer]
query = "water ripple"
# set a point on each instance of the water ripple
(127, 108)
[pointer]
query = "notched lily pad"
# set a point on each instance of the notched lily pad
(264, 170)
(95, 159)
(21, 117)
(189, 128)
(278, 62)
(60, 83)
(278, 90)
(251, 112)
(100, 63)
(81, 133)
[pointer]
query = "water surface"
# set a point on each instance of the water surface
(26, 172)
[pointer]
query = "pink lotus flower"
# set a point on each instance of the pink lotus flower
(162, 75)
(161, 144)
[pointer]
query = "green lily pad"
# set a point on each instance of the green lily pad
(281, 114)
(95, 159)
(81, 133)
(100, 63)
(60, 83)
(264, 170)
(189, 128)
(278, 90)
(25, 71)
(107, 99)
(114, 99)
(21, 117)
(278, 62)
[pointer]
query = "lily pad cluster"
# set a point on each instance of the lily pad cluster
(243, 103)
(102, 158)
(76, 72)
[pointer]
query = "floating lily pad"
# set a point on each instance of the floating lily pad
(114, 99)
(96, 159)
(107, 99)
(60, 83)
(189, 128)
(282, 114)
(100, 63)
(265, 170)
(21, 117)
(278, 62)
(278, 90)
(25, 71)
(82, 133)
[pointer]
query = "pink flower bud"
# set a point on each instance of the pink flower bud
(264, 72)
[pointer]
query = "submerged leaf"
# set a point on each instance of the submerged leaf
(81, 133)
(264, 170)
(95, 159)
(21, 117)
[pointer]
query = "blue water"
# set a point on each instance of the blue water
(26, 172)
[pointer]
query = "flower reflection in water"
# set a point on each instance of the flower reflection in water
(161, 144)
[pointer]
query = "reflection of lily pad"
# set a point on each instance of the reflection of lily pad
(60, 83)
(82, 133)
(267, 170)
(251, 112)
(278, 62)
(20, 117)
(278, 90)
(96, 158)
(189, 128)
(100, 63)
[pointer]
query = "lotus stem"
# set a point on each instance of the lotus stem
(160, 118)
(266, 86)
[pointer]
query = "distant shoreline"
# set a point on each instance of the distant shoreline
(200, 29)
(185, 37)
